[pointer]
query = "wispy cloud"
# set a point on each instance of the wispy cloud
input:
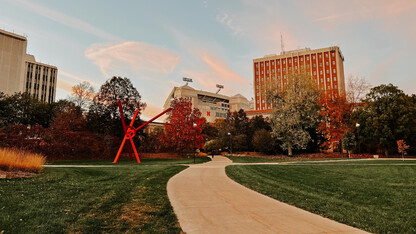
(220, 68)
(65, 19)
(228, 21)
(77, 78)
(64, 85)
(131, 55)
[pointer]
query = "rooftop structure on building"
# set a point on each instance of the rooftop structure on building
(270, 73)
(20, 72)
(212, 105)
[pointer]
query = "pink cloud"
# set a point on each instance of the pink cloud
(131, 55)
(151, 111)
(64, 86)
(220, 69)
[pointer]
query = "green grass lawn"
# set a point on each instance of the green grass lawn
(90, 200)
(126, 161)
(376, 198)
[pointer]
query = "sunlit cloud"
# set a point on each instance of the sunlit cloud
(220, 69)
(151, 111)
(133, 56)
(65, 19)
(78, 78)
(64, 86)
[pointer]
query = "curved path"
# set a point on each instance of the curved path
(205, 200)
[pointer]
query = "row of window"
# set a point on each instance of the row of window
(295, 59)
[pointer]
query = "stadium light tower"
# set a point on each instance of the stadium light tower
(186, 79)
(219, 88)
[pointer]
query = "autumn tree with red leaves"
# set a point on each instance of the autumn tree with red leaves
(180, 133)
(336, 114)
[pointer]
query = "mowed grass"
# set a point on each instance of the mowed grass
(376, 198)
(126, 161)
(130, 199)
(19, 160)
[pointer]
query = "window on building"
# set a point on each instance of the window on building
(295, 60)
(335, 78)
(314, 73)
(289, 60)
(273, 70)
(327, 71)
(258, 101)
(320, 56)
(301, 59)
(326, 55)
(314, 65)
(262, 72)
(272, 63)
(261, 65)
(257, 79)
(284, 76)
(257, 65)
(278, 62)
(278, 70)
(262, 101)
(267, 63)
(326, 63)
(313, 56)
(327, 79)
(333, 71)
(262, 79)
(267, 71)
(283, 61)
(257, 72)
(284, 69)
(333, 62)
(320, 64)
(322, 80)
(307, 66)
(320, 72)
(333, 54)
(335, 86)
(307, 58)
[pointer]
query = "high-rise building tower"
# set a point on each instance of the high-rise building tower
(324, 65)
(19, 72)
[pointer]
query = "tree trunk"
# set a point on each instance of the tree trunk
(289, 150)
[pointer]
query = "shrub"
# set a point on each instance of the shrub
(19, 160)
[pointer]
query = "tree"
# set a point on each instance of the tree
(348, 141)
(21, 108)
(336, 113)
(262, 141)
(357, 88)
(389, 114)
(180, 134)
(103, 115)
(82, 95)
(295, 110)
(120, 89)
(402, 147)
(69, 118)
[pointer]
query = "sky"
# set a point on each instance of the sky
(157, 43)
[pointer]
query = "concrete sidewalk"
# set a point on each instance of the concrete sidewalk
(205, 200)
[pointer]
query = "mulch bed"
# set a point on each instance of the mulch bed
(323, 155)
(15, 174)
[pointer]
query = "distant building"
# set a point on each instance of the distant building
(324, 65)
(212, 105)
(19, 72)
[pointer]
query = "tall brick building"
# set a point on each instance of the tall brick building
(324, 65)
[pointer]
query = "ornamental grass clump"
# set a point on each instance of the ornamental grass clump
(19, 160)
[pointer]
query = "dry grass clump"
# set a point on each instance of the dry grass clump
(19, 160)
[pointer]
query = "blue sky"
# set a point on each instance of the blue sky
(156, 43)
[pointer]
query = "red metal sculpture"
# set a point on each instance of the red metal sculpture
(130, 132)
